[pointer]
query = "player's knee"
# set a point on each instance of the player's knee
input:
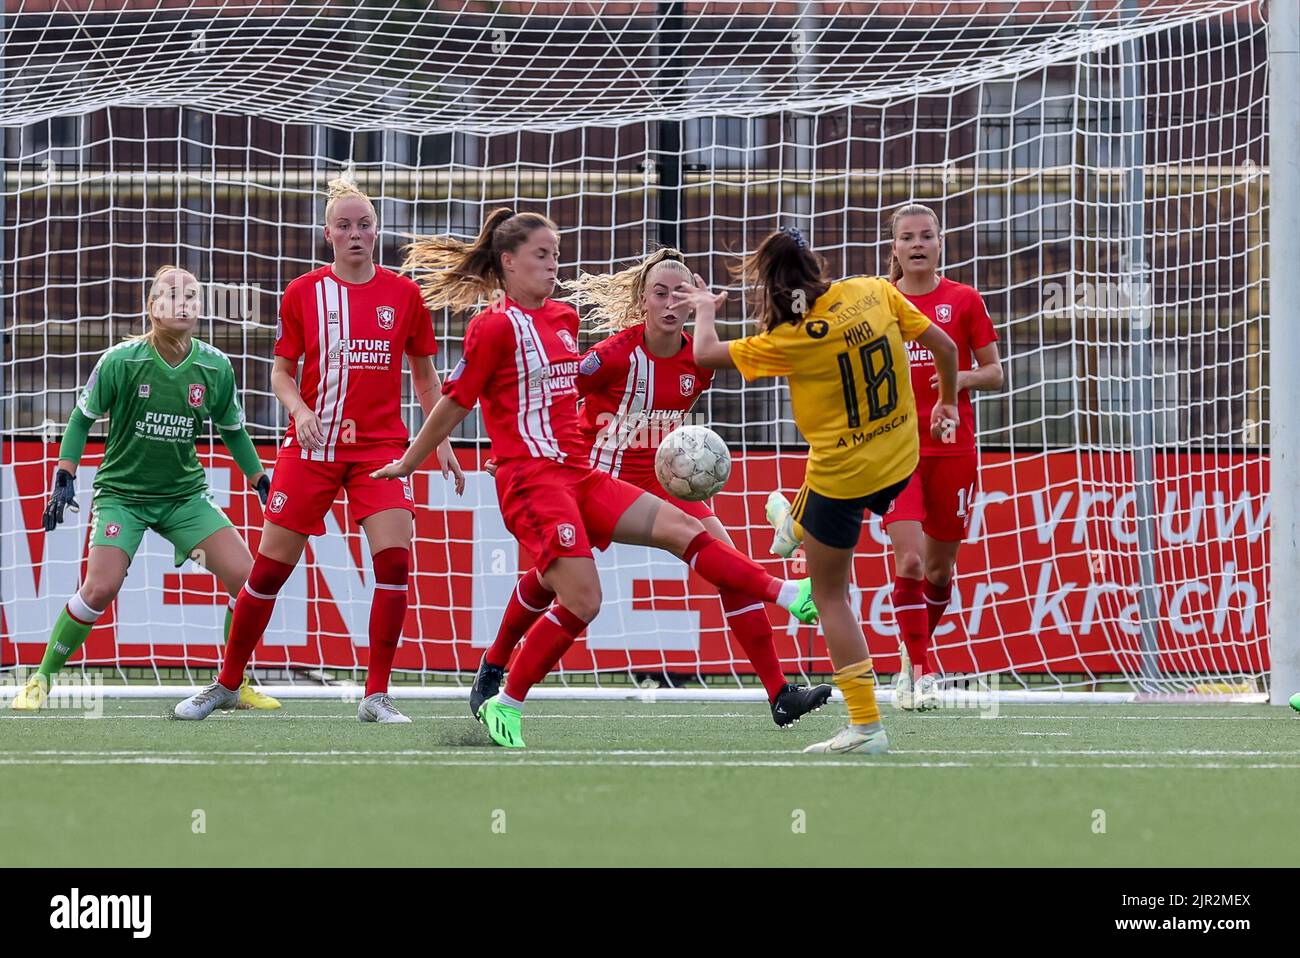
(908, 565)
(583, 600)
(99, 594)
(939, 574)
(682, 531)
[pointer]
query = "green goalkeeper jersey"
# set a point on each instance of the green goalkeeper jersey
(155, 413)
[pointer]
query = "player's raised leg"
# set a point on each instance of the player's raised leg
(389, 535)
(651, 521)
(576, 585)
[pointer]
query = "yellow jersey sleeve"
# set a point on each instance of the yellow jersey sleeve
(759, 356)
(911, 321)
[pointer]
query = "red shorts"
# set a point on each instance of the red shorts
(939, 496)
(556, 510)
(651, 484)
(302, 491)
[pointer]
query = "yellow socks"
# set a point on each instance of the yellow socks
(858, 685)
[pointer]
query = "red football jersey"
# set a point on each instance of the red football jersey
(521, 364)
(634, 399)
(959, 311)
(351, 338)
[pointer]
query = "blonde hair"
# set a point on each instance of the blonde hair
(613, 300)
(151, 297)
(911, 209)
(342, 187)
(457, 275)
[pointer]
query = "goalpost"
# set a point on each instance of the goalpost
(1104, 180)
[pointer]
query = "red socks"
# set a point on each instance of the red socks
(729, 570)
(936, 602)
(253, 608)
(910, 613)
(528, 601)
(387, 613)
(748, 621)
(544, 646)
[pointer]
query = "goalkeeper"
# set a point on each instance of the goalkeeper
(157, 390)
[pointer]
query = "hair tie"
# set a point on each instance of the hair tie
(794, 234)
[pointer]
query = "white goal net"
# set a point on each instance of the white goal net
(1100, 169)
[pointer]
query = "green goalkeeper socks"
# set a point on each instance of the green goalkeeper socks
(66, 638)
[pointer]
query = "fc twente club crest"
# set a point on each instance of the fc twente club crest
(387, 316)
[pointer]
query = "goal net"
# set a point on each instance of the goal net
(1099, 169)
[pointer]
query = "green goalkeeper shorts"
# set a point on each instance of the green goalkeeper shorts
(182, 522)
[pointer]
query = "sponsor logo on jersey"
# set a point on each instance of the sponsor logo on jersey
(278, 499)
(687, 383)
(568, 535)
(361, 354)
(455, 373)
(196, 394)
(387, 316)
(590, 363)
(143, 392)
(943, 313)
(406, 489)
(279, 330)
(111, 530)
(334, 316)
(817, 328)
(567, 340)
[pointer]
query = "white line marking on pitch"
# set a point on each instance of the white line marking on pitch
(863, 763)
(486, 751)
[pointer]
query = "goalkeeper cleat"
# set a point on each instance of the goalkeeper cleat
(803, 608)
(851, 741)
(778, 514)
(795, 701)
(251, 698)
(208, 699)
(378, 707)
(504, 723)
(33, 694)
(487, 683)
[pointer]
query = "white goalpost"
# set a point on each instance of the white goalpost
(1119, 179)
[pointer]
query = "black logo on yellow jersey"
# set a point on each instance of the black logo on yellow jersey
(817, 328)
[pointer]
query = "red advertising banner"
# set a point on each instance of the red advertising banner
(1049, 579)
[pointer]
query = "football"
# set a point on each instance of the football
(693, 463)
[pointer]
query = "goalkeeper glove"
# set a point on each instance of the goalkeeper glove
(63, 497)
(263, 488)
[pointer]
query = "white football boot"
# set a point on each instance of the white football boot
(850, 741)
(380, 708)
(206, 701)
(777, 511)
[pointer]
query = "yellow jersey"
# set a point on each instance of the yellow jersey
(850, 384)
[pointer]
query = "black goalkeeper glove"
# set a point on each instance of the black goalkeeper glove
(263, 487)
(63, 497)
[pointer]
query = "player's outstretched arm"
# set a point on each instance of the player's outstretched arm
(446, 416)
(944, 419)
(710, 352)
(427, 385)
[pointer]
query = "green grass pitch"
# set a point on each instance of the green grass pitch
(633, 783)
